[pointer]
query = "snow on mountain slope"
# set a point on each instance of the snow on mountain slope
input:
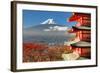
(49, 21)
(55, 27)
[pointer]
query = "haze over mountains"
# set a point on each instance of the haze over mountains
(48, 31)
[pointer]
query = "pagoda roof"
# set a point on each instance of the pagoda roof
(82, 44)
(76, 16)
(82, 28)
(73, 18)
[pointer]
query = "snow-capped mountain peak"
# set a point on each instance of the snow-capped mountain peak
(49, 21)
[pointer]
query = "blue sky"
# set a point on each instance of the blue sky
(33, 17)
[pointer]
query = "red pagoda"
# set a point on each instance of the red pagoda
(83, 34)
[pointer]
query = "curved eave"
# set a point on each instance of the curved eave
(81, 28)
(81, 44)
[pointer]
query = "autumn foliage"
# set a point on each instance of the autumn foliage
(37, 52)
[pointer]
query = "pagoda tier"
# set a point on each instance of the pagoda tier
(82, 19)
(83, 48)
(82, 33)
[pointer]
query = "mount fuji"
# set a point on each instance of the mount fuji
(53, 26)
(48, 25)
(47, 31)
